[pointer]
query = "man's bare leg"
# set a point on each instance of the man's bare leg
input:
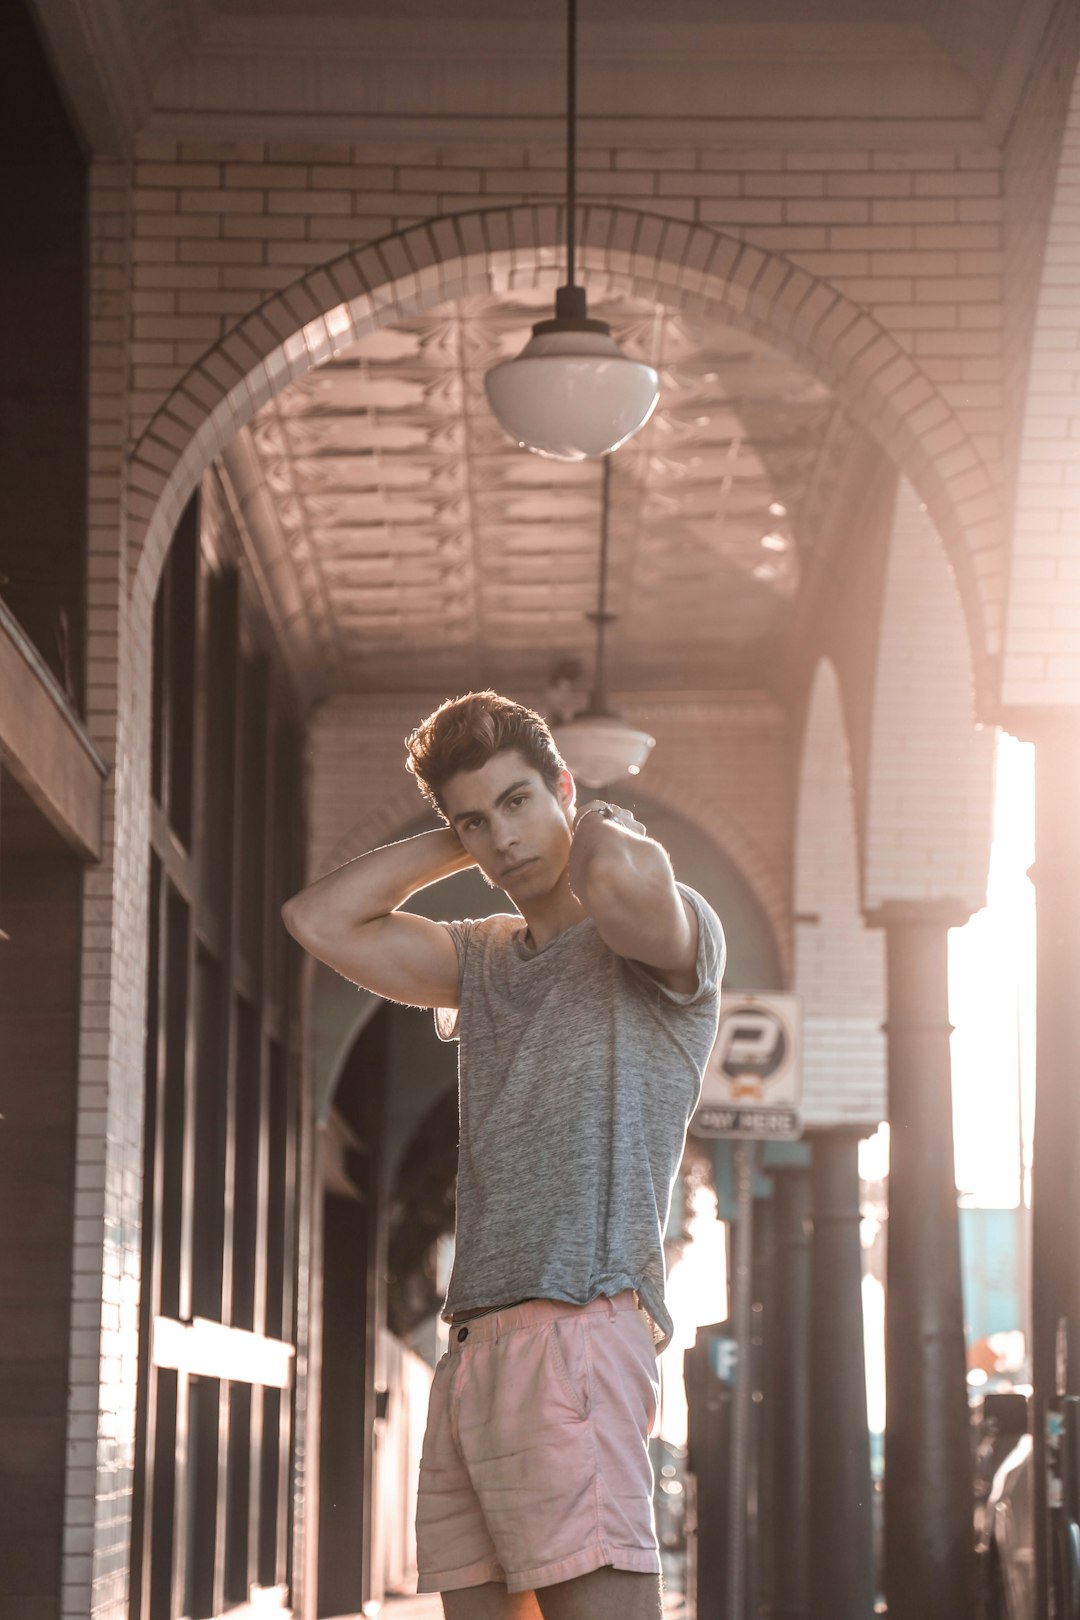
(490, 1602)
(605, 1594)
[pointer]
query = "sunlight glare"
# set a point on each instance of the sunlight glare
(992, 1001)
(697, 1294)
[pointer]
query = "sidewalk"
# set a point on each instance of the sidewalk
(429, 1608)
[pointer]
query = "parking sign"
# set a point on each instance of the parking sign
(753, 1079)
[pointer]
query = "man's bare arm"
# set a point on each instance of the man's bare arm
(625, 882)
(349, 920)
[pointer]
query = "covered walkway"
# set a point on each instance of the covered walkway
(256, 519)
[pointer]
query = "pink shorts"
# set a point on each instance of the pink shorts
(536, 1463)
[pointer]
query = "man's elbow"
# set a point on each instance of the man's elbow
(298, 919)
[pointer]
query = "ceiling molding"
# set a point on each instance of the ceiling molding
(832, 134)
(1036, 36)
(102, 66)
(436, 71)
(797, 76)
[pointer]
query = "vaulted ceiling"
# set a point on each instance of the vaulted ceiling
(425, 548)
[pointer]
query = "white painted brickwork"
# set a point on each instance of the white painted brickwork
(359, 792)
(1042, 653)
(839, 962)
(1032, 156)
(108, 1184)
(931, 771)
(881, 270)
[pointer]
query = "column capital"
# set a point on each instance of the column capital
(1044, 725)
(945, 913)
(1056, 736)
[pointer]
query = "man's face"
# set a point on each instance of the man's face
(512, 824)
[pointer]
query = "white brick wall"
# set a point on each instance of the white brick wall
(104, 1341)
(931, 772)
(811, 241)
(839, 962)
(1032, 155)
(1042, 649)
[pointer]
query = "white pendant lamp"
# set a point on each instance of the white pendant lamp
(600, 749)
(598, 745)
(571, 393)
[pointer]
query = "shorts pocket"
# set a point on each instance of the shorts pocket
(642, 1346)
(568, 1351)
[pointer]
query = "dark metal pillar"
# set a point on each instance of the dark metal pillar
(762, 1547)
(1055, 1179)
(929, 1552)
(841, 1556)
(789, 1386)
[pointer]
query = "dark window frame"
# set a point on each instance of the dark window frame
(214, 1459)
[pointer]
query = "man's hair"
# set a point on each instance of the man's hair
(465, 732)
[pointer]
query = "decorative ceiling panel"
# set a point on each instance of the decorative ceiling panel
(433, 551)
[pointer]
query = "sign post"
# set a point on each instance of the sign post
(753, 1080)
(751, 1091)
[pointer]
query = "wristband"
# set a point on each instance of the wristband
(600, 808)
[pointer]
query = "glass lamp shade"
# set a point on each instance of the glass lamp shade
(601, 748)
(571, 393)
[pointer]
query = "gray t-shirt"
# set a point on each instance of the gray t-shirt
(578, 1072)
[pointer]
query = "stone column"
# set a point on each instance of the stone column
(841, 1554)
(929, 1551)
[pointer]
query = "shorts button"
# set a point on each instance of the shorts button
(462, 1335)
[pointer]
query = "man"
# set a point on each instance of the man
(585, 1019)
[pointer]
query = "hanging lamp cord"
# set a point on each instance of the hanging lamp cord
(571, 136)
(602, 618)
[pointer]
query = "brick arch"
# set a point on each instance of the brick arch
(623, 251)
(727, 834)
(827, 856)
(400, 815)
(395, 818)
